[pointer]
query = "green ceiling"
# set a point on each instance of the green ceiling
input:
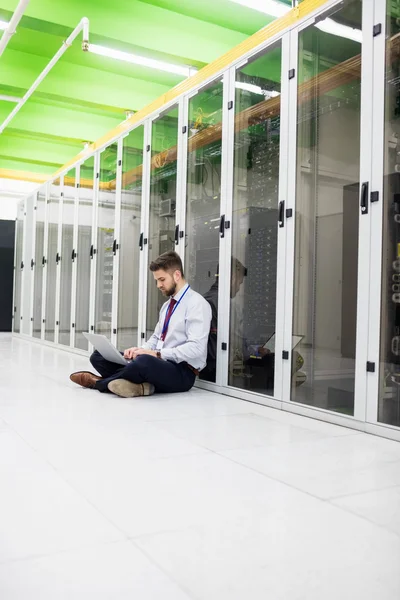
(85, 95)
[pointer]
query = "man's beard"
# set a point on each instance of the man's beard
(171, 291)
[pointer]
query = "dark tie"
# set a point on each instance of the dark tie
(168, 317)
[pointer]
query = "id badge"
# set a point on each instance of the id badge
(160, 345)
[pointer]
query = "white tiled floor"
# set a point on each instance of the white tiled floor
(184, 497)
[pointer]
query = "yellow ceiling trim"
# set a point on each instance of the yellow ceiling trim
(218, 65)
(23, 176)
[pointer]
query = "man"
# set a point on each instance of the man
(238, 272)
(176, 352)
(266, 361)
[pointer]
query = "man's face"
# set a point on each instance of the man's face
(166, 282)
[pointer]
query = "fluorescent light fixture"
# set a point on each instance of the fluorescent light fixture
(269, 7)
(141, 60)
(256, 89)
(3, 25)
(344, 31)
(276, 9)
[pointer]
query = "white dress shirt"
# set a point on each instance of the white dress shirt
(187, 336)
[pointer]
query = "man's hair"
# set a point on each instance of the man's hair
(236, 268)
(169, 261)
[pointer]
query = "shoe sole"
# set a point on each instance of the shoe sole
(127, 389)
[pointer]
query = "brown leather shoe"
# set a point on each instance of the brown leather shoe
(84, 378)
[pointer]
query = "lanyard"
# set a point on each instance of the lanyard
(166, 323)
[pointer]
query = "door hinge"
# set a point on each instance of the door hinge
(377, 30)
(370, 367)
(374, 196)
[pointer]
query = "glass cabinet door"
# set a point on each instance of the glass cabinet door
(327, 211)
(389, 371)
(52, 258)
(19, 267)
(129, 251)
(84, 253)
(67, 232)
(163, 180)
(39, 264)
(254, 255)
(203, 197)
(105, 240)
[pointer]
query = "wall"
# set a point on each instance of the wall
(10, 193)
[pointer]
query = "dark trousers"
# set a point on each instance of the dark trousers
(166, 376)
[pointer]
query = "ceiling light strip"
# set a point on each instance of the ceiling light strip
(141, 60)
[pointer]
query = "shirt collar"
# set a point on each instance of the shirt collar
(179, 294)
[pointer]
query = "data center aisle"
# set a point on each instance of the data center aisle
(189, 496)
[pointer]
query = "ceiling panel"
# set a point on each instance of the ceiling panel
(86, 95)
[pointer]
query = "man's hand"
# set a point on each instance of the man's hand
(132, 353)
(140, 351)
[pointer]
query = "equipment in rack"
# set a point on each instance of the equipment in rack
(391, 305)
(259, 225)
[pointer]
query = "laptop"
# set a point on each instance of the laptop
(270, 345)
(105, 347)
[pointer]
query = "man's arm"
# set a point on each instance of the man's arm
(197, 330)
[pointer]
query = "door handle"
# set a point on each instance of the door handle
(91, 251)
(73, 255)
(364, 198)
(176, 235)
(115, 247)
(32, 263)
(141, 241)
(281, 212)
(222, 226)
(58, 258)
